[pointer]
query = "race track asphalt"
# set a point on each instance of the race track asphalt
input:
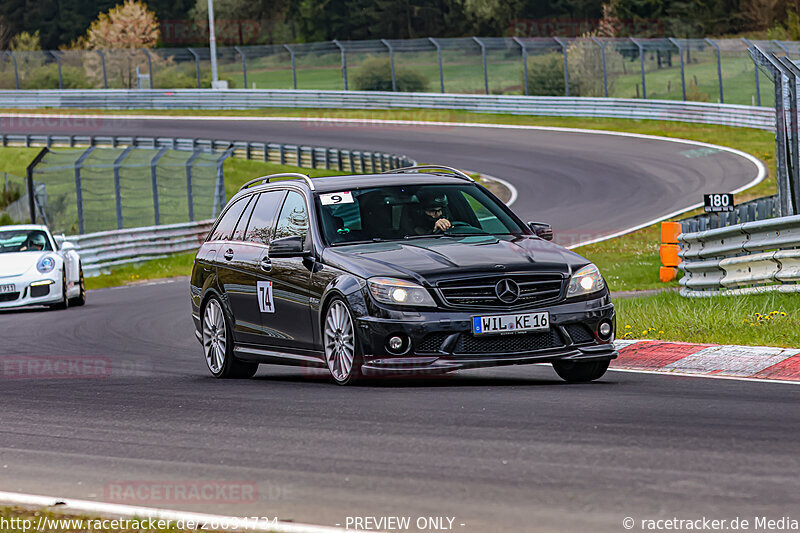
(512, 449)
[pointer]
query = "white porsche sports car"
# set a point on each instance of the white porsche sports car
(36, 269)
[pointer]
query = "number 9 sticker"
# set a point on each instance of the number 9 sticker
(336, 198)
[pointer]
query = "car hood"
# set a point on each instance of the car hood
(438, 258)
(17, 263)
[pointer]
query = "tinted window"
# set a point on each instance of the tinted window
(293, 219)
(225, 227)
(241, 227)
(262, 221)
(24, 241)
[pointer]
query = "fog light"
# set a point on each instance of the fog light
(604, 330)
(397, 344)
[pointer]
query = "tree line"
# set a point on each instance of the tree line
(63, 23)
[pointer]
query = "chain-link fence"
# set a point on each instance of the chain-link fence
(712, 70)
(99, 189)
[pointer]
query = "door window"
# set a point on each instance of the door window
(293, 220)
(262, 221)
(224, 229)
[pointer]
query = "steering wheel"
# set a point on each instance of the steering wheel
(457, 224)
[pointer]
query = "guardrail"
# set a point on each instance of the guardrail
(285, 154)
(106, 249)
(699, 112)
(746, 258)
(752, 211)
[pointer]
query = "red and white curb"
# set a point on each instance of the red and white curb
(709, 360)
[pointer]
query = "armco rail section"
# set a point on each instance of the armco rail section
(558, 106)
(746, 258)
(285, 154)
(107, 249)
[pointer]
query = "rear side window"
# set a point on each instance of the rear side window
(293, 219)
(224, 229)
(262, 221)
(241, 227)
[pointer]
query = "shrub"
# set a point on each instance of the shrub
(46, 77)
(375, 74)
(546, 79)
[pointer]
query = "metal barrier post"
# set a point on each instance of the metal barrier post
(641, 63)
(563, 46)
(29, 182)
(189, 192)
(244, 64)
(391, 63)
(524, 62)
(344, 62)
(103, 64)
(793, 73)
(78, 189)
(439, 55)
(16, 70)
(602, 46)
(154, 178)
(755, 68)
(117, 188)
(197, 67)
(294, 68)
(719, 69)
(683, 71)
(485, 71)
(219, 197)
(149, 65)
(58, 62)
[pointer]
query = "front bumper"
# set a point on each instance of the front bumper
(27, 294)
(441, 341)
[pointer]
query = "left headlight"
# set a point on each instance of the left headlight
(399, 292)
(585, 281)
(46, 264)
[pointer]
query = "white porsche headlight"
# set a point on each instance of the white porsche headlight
(585, 281)
(46, 264)
(399, 292)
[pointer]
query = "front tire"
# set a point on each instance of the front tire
(218, 344)
(580, 372)
(64, 303)
(340, 344)
(81, 298)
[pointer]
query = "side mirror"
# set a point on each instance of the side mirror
(288, 247)
(66, 245)
(542, 230)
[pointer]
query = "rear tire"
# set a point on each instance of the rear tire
(580, 372)
(81, 298)
(218, 344)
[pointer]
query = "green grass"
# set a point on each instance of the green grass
(755, 320)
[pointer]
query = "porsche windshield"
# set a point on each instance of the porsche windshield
(24, 241)
(403, 212)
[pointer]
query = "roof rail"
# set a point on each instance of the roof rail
(267, 179)
(415, 169)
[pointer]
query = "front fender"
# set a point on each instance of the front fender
(346, 286)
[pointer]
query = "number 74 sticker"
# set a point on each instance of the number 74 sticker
(265, 302)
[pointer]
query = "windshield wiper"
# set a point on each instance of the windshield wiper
(426, 236)
(347, 243)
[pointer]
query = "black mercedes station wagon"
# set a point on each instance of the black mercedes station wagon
(414, 271)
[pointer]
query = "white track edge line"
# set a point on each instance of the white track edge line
(164, 514)
(761, 174)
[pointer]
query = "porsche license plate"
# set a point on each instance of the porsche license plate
(7, 288)
(482, 325)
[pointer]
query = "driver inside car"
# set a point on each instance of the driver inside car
(35, 242)
(431, 213)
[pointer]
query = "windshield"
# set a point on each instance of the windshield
(24, 241)
(404, 212)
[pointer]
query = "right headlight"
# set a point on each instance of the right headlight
(399, 292)
(585, 281)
